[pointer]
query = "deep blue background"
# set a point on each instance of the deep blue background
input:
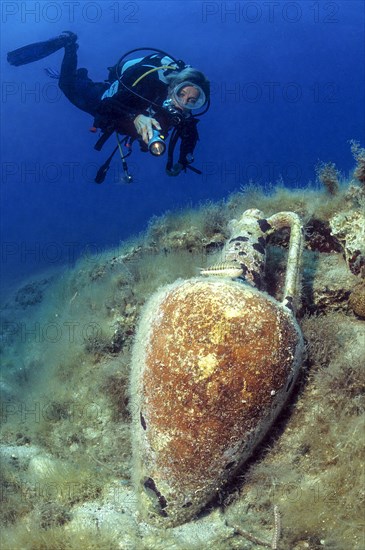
(287, 90)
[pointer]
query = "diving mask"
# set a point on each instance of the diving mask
(186, 100)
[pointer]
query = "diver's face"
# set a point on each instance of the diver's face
(187, 97)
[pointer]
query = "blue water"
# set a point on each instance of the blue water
(287, 90)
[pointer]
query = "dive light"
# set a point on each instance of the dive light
(156, 144)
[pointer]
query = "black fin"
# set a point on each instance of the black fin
(37, 51)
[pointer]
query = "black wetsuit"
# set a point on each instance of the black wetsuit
(114, 107)
(77, 86)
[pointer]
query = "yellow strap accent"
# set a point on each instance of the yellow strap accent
(151, 71)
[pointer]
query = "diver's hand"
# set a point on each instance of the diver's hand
(175, 170)
(143, 125)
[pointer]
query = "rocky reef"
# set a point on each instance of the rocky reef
(66, 404)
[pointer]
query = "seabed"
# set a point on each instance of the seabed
(66, 424)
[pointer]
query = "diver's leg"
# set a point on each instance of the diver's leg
(76, 85)
(68, 74)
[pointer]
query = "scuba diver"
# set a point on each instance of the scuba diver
(142, 99)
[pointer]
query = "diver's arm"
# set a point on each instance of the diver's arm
(113, 114)
(189, 139)
(143, 124)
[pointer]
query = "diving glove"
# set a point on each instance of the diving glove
(181, 165)
(175, 170)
